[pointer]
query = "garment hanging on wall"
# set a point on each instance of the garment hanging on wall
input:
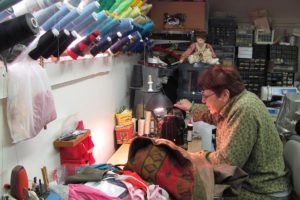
(30, 104)
(17, 30)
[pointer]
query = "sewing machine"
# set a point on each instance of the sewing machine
(273, 96)
(268, 92)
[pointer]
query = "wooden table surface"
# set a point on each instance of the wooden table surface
(121, 155)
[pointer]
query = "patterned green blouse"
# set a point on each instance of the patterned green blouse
(247, 137)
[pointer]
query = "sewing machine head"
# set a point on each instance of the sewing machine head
(269, 92)
(273, 97)
(289, 114)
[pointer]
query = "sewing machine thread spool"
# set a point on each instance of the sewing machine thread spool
(141, 126)
(150, 83)
(147, 122)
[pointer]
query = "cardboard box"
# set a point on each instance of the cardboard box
(245, 52)
(124, 134)
(262, 23)
(194, 12)
(259, 13)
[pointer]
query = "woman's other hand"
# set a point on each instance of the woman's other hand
(183, 104)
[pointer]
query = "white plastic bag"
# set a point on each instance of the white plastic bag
(30, 104)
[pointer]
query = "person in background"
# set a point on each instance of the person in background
(246, 135)
(199, 51)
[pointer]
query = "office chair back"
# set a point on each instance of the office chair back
(292, 160)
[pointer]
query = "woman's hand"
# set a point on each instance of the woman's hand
(183, 104)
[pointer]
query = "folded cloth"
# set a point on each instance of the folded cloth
(86, 175)
(228, 180)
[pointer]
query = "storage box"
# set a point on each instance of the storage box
(76, 151)
(124, 134)
(263, 37)
(245, 52)
(71, 143)
(194, 12)
(262, 23)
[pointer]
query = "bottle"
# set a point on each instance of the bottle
(189, 131)
(141, 127)
(152, 127)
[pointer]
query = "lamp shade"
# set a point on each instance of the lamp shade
(158, 100)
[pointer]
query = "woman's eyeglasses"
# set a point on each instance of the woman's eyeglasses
(205, 97)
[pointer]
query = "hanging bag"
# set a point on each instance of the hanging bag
(30, 104)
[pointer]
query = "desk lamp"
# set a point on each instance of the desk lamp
(169, 125)
(159, 104)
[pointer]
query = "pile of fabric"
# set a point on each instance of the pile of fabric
(156, 169)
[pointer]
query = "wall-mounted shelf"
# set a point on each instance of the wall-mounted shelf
(71, 143)
(66, 70)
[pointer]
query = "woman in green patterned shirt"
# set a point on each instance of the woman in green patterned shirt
(246, 135)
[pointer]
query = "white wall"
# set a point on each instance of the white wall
(94, 96)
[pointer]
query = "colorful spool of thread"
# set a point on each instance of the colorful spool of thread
(64, 44)
(86, 11)
(43, 43)
(16, 30)
(65, 9)
(44, 14)
(63, 36)
(78, 49)
(67, 19)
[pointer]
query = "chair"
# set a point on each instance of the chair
(292, 160)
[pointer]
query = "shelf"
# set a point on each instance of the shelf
(67, 71)
(72, 143)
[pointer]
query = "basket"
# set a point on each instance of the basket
(124, 118)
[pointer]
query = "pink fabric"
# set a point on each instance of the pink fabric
(79, 191)
(138, 182)
(80, 125)
(43, 110)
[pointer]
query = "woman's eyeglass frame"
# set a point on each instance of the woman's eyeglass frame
(205, 97)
